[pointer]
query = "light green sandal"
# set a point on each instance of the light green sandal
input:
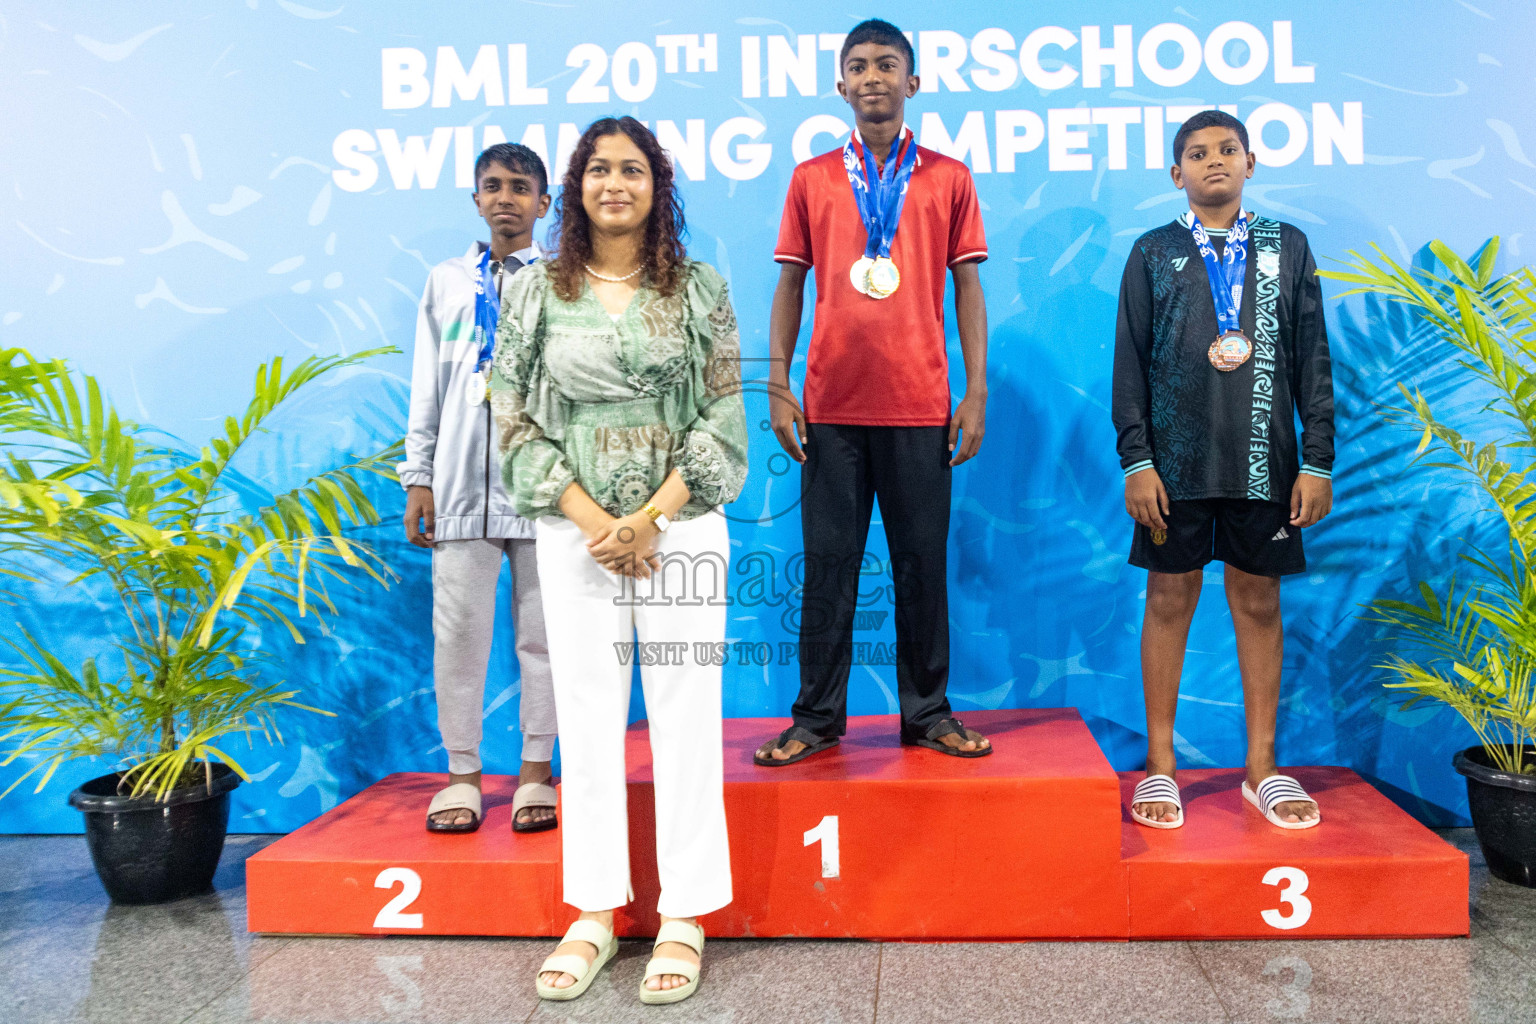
(581, 931)
(690, 935)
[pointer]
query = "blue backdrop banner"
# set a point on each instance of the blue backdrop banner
(193, 188)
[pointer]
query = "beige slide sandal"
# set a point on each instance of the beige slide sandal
(461, 796)
(533, 794)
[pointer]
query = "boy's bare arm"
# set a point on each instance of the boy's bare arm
(783, 331)
(970, 419)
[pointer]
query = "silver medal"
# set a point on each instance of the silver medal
(859, 274)
(477, 390)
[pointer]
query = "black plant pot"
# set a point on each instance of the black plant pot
(1504, 814)
(151, 851)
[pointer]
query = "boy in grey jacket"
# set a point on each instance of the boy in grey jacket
(456, 505)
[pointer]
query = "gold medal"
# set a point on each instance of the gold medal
(859, 274)
(884, 278)
(1230, 350)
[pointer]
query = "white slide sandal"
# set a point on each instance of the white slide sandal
(599, 938)
(1157, 789)
(461, 796)
(533, 794)
(1280, 789)
(690, 935)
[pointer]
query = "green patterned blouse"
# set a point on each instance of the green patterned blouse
(617, 405)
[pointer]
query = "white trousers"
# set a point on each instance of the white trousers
(593, 618)
(464, 574)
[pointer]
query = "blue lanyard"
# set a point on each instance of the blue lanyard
(487, 309)
(1225, 274)
(880, 204)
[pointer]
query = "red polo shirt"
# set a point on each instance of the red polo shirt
(880, 362)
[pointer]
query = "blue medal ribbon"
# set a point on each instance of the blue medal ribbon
(1225, 273)
(487, 310)
(878, 196)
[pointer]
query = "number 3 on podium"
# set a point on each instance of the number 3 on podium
(825, 833)
(1292, 882)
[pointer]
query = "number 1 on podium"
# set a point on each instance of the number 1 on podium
(825, 833)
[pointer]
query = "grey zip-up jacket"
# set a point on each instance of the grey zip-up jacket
(449, 445)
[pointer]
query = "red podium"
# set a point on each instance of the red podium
(1369, 869)
(369, 867)
(889, 842)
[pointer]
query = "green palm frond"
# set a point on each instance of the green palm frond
(197, 481)
(107, 504)
(1473, 647)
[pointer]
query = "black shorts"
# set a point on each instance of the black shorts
(1254, 536)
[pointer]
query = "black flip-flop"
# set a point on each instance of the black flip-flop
(813, 745)
(943, 728)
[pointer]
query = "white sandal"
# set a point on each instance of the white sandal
(593, 934)
(690, 935)
(461, 796)
(1276, 790)
(1157, 789)
(533, 794)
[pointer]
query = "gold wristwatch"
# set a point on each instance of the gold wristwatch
(657, 516)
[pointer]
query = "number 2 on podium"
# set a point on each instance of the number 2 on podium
(825, 833)
(410, 888)
(1292, 882)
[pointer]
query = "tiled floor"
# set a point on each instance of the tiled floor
(66, 954)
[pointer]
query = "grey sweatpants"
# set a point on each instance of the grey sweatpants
(464, 574)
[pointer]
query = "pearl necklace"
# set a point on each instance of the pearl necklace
(613, 280)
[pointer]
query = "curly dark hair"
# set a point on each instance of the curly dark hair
(662, 253)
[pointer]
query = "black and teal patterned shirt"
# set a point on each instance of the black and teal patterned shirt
(1211, 434)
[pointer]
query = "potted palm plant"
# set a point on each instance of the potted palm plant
(1471, 643)
(102, 503)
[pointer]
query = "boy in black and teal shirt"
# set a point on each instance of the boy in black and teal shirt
(1219, 347)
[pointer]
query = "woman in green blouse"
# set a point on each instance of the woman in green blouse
(617, 397)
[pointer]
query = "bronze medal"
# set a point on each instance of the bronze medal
(1230, 350)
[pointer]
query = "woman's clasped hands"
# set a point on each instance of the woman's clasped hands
(626, 546)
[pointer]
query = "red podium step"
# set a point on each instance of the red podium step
(370, 867)
(884, 841)
(878, 840)
(926, 846)
(1369, 869)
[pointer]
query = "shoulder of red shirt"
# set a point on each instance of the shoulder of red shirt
(831, 158)
(933, 158)
(926, 158)
(826, 171)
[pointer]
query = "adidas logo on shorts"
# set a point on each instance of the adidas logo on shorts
(1282, 535)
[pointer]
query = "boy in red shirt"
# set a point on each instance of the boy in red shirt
(879, 221)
